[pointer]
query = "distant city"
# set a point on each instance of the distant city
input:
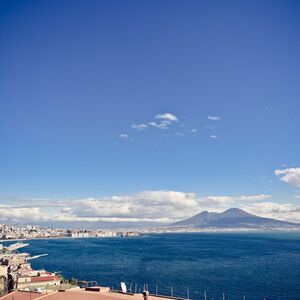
(8, 232)
(231, 220)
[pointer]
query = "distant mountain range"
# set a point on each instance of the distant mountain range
(232, 218)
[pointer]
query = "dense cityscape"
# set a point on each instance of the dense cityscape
(8, 232)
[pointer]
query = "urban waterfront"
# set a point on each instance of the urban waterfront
(255, 265)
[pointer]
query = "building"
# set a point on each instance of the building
(40, 281)
(3, 270)
(16, 271)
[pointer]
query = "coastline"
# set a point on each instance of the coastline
(33, 239)
(159, 233)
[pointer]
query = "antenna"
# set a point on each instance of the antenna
(123, 287)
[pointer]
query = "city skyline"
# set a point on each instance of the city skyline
(148, 111)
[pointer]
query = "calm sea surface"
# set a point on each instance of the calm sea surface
(254, 265)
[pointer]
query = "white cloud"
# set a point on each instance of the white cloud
(15, 214)
(287, 211)
(161, 121)
(259, 197)
(139, 126)
(214, 118)
(162, 206)
(290, 176)
(165, 121)
(215, 200)
(65, 209)
(124, 136)
(178, 199)
(153, 205)
(167, 116)
(235, 199)
(161, 125)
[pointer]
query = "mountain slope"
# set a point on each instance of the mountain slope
(233, 217)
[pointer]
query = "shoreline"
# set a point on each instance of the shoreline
(32, 239)
(156, 233)
(61, 238)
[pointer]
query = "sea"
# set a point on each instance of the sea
(251, 265)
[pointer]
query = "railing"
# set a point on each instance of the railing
(136, 289)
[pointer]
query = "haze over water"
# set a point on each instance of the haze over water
(254, 265)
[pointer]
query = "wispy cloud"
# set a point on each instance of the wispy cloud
(124, 136)
(164, 124)
(290, 176)
(250, 198)
(165, 121)
(161, 121)
(235, 199)
(169, 121)
(214, 118)
(139, 126)
(167, 116)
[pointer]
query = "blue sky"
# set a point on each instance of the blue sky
(76, 75)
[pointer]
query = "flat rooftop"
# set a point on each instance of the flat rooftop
(79, 294)
(20, 295)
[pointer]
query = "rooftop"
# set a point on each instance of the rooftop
(78, 294)
(20, 295)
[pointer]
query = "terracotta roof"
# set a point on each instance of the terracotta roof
(20, 295)
(44, 278)
(72, 295)
(78, 294)
(82, 294)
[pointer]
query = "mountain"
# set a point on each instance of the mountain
(232, 218)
